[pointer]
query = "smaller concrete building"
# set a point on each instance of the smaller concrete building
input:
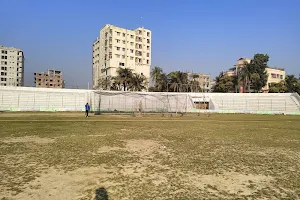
(51, 79)
(275, 75)
(203, 79)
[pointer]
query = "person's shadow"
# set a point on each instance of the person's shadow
(101, 194)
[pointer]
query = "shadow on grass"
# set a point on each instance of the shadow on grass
(101, 194)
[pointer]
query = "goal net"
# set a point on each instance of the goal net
(153, 102)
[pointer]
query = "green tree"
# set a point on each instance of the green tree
(178, 81)
(123, 78)
(137, 83)
(292, 84)
(224, 83)
(257, 70)
(278, 87)
(160, 80)
(105, 82)
(194, 86)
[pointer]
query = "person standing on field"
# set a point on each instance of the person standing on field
(87, 109)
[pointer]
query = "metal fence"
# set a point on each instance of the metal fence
(44, 99)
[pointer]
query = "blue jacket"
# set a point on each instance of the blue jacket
(87, 107)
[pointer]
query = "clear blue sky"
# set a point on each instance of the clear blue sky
(205, 36)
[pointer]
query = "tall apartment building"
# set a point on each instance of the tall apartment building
(118, 47)
(203, 79)
(11, 66)
(51, 79)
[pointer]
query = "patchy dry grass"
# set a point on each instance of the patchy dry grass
(66, 156)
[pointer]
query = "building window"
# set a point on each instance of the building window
(118, 41)
(148, 54)
(123, 56)
(281, 76)
(131, 36)
(50, 84)
(131, 43)
(124, 41)
(273, 75)
(4, 68)
(131, 50)
(58, 85)
(118, 48)
(147, 61)
(3, 62)
(131, 58)
(4, 57)
(3, 73)
(148, 34)
(4, 52)
(148, 47)
(118, 33)
(121, 64)
(118, 56)
(124, 34)
(123, 49)
(148, 41)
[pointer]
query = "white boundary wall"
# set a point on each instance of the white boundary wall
(48, 99)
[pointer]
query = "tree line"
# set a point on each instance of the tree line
(253, 77)
(127, 80)
(175, 81)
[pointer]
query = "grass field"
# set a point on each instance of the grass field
(66, 156)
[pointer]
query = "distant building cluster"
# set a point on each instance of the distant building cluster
(115, 48)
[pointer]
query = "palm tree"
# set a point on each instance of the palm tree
(156, 74)
(105, 82)
(194, 86)
(124, 77)
(137, 82)
(243, 77)
(159, 78)
(178, 81)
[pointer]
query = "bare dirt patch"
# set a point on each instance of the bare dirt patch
(231, 182)
(142, 147)
(57, 184)
(25, 139)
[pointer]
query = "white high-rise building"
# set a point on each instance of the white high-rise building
(118, 47)
(11, 66)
